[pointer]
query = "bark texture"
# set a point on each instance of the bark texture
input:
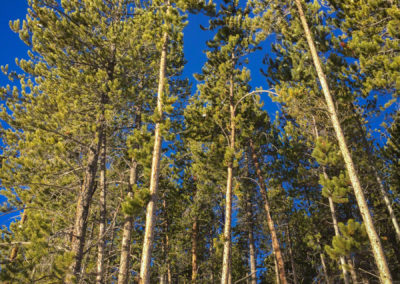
(82, 211)
(384, 273)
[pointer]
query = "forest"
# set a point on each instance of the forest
(117, 166)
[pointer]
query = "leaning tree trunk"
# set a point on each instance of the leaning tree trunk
(324, 268)
(375, 242)
(155, 169)
(103, 212)
(228, 195)
(381, 185)
(333, 214)
(82, 211)
(271, 226)
(337, 233)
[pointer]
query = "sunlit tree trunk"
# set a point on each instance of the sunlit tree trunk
(123, 274)
(103, 211)
(155, 169)
(324, 268)
(375, 242)
(82, 211)
(333, 214)
(228, 196)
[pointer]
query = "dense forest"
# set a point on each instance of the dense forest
(121, 169)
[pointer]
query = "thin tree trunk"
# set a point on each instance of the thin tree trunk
(252, 248)
(353, 273)
(103, 212)
(195, 233)
(381, 186)
(228, 196)
(155, 169)
(333, 214)
(86, 258)
(324, 269)
(271, 226)
(166, 243)
(387, 203)
(375, 242)
(291, 257)
(123, 274)
(127, 232)
(337, 233)
(82, 212)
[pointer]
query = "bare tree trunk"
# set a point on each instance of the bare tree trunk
(291, 256)
(337, 233)
(271, 226)
(82, 211)
(86, 258)
(352, 271)
(375, 242)
(381, 186)
(127, 232)
(228, 196)
(128, 221)
(103, 212)
(333, 214)
(324, 269)
(252, 248)
(155, 169)
(195, 232)
(387, 203)
(278, 281)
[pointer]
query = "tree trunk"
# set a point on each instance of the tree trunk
(155, 169)
(381, 186)
(103, 211)
(337, 233)
(375, 242)
(252, 248)
(278, 281)
(333, 214)
(195, 232)
(123, 274)
(271, 226)
(82, 211)
(324, 269)
(291, 257)
(352, 271)
(228, 196)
